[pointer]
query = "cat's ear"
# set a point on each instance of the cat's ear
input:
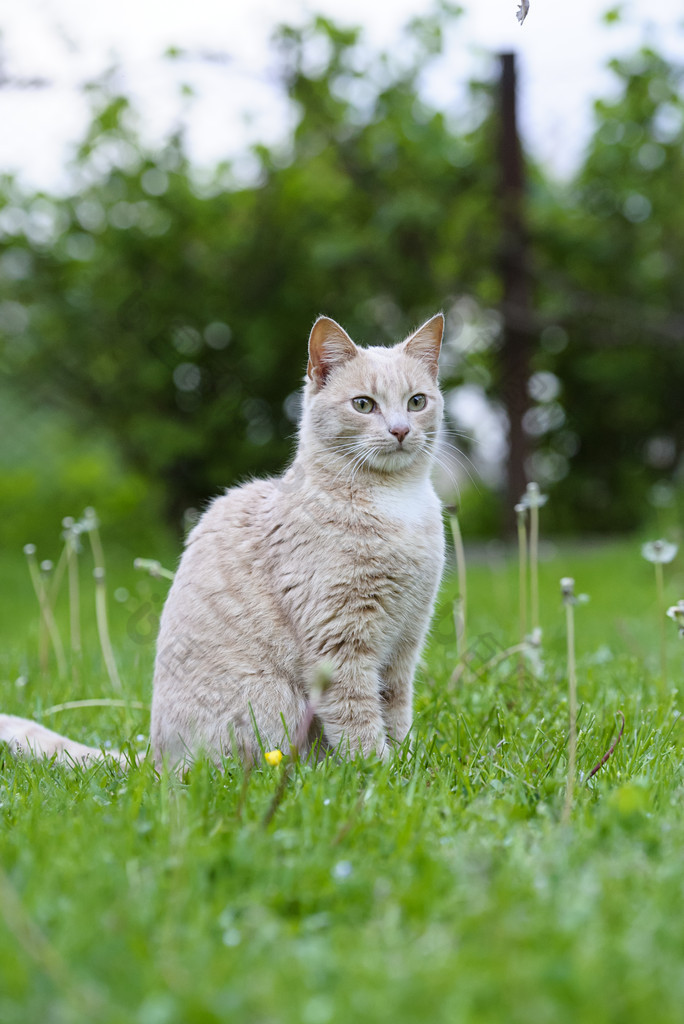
(425, 343)
(329, 346)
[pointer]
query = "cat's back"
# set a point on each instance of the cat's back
(222, 566)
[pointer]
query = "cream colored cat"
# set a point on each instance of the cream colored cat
(336, 562)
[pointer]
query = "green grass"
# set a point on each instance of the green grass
(443, 888)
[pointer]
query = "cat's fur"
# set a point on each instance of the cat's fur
(335, 563)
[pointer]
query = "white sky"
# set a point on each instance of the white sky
(563, 48)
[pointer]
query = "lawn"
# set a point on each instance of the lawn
(442, 887)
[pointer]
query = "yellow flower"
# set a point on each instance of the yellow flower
(273, 757)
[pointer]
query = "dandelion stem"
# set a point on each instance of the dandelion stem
(154, 568)
(461, 573)
(522, 573)
(572, 684)
(103, 628)
(534, 565)
(95, 702)
(74, 597)
(47, 618)
(660, 588)
(94, 536)
(57, 577)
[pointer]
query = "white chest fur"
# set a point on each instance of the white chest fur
(407, 503)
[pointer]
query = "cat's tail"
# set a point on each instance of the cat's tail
(29, 739)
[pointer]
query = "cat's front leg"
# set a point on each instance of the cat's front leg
(350, 711)
(397, 690)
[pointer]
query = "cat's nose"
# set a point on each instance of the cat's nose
(399, 431)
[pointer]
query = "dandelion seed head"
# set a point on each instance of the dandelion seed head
(342, 869)
(659, 551)
(29, 549)
(676, 613)
(533, 497)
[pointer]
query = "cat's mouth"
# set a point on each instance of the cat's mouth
(394, 457)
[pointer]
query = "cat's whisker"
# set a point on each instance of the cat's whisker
(350, 464)
(456, 452)
(455, 455)
(445, 433)
(370, 454)
(359, 463)
(448, 470)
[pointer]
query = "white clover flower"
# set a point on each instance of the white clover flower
(676, 613)
(533, 497)
(659, 551)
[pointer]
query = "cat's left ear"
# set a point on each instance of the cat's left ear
(425, 343)
(329, 346)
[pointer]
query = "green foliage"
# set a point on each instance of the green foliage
(611, 267)
(165, 312)
(175, 317)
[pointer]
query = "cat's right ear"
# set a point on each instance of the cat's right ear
(329, 346)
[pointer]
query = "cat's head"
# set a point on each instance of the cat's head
(372, 409)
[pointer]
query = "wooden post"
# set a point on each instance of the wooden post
(514, 364)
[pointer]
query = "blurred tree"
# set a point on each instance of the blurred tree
(612, 300)
(176, 314)
(171, 309)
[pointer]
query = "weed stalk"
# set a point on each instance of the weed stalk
(660, 552)
(47, 618)
(103, 628)
(568, 592)
(461, 604)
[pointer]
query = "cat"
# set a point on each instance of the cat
(330, 570)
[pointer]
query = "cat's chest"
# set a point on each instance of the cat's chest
(406, 508)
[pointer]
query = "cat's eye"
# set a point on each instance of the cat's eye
(416, 403)
(363, 404)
